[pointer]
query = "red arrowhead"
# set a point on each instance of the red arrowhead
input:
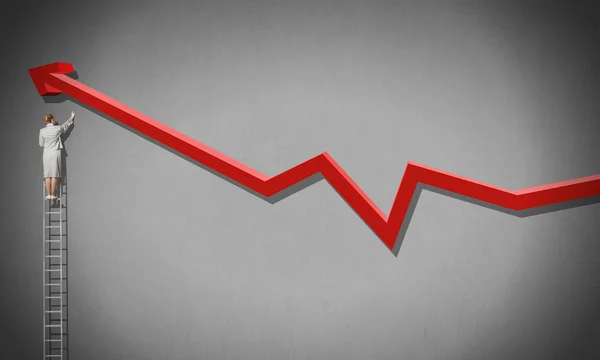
(39, 75)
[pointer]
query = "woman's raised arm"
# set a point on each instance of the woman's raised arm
(68, 123)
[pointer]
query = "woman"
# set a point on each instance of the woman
(50, 140)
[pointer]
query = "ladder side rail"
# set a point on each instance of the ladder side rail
(60, 210)
(44, 269)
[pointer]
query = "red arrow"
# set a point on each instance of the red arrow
(51, 80)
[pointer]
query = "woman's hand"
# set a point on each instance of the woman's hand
(72, 114)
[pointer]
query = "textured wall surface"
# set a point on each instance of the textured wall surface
(168, 261)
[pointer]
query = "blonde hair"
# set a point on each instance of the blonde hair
(48, 118)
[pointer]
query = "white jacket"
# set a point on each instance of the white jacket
(50, 135)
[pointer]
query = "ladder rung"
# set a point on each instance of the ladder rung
(53, 297)
(53, 311)
(52, 226)
(52, 269)
(54, 355)
(50, 256)
(53, 325)
(52, 212)
(53, 340)
(53, 284)
(53, 241)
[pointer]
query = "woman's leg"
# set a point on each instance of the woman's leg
(53, 187)
(47, 181)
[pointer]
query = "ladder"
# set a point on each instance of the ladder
(55, 275)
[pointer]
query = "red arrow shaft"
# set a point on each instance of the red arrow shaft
(386, 228)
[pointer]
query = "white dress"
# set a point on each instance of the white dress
(50, 140)
(52, 163)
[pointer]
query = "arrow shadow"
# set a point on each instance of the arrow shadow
(318, 176)
(273, 199)
(518, 213)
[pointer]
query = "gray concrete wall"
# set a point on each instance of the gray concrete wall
(168, 261)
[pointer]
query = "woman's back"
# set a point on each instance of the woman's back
(50, 135)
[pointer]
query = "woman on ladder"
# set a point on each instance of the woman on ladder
(50, 140)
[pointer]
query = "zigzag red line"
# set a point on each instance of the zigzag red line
(51, 80)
